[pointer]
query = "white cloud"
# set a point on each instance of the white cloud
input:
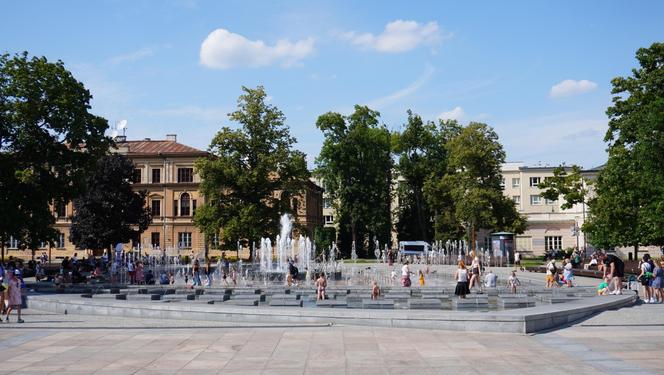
(457, 113)
(571, 87)
(398, 36)
(132, 56)
(406, 91)
(223, 49)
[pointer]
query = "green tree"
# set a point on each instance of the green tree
(252, 175)
(324, 237)
(474, 182)
(110, 211)
(355, 165)
(568, 183)
(628, 209)
(422, 156)
(48, 142)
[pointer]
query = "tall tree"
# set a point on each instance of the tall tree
(422, 156)
(252, 174)
(474, 182)
(48, 142)
(628, 209)
(567, 183)
(355, 165)
(109, 211)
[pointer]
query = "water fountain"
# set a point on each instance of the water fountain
(353, 252)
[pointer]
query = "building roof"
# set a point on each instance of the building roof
(157, 147)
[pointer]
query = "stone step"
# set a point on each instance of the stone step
(377, 304)
(516, 302)
(285, 296)
(425, 304)
(241, 302)
(174, 297)
(330, 303)
(468, 303)
(286, 303)
(251, 297)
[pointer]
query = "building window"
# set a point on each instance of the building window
(156, 208)
(535, 200)
(516, 199)
(184, 240)
(549, 202)
(175, 207)
(534, 181)
(61, 240)
(502, 183)
(137, 176)
(185, 174)
(553, 242)
(329, 219)
(154, 240)
(193, 207)
(156, 175)
(327, 202)
(184, 204)
(13, 242)
(516, 182)
(61, 209)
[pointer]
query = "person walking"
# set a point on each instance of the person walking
(14, 295)
(461, 276)
(196, 270)
(475, 274)
(568, 273)
(405, 275)
(321, 284)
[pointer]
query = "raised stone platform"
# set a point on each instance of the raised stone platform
(524, 320)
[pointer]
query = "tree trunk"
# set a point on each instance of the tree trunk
(420, 216)
(636, 251)
(472, 241)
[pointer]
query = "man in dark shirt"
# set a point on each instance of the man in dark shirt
(615, 270)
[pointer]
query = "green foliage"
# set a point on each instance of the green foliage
(570, 185)
(252, 174)
(48, 142)
(472, 184)
(422, 156)
(110, 211)
(355, 166)
(324, 237)
(628, 209)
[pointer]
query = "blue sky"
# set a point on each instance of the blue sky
(538, 72)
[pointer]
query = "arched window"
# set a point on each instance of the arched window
(184, 204)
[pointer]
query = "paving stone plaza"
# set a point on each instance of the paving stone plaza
(613, 341)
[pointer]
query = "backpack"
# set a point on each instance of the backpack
(553, 267)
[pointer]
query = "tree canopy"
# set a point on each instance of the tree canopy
(473, 183)
(109, 211)
(355, 165)
(628, 209)
(252, 174)
(566, 182)
(48, 142)
(422, 157)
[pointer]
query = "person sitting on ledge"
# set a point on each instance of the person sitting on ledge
(593, 262)
(490, 279)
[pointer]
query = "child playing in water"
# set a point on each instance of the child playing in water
(375, 290)
(513, 282)
(603, 287)
(421, 278)
(321, 284)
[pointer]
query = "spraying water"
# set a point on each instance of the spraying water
(284, 241)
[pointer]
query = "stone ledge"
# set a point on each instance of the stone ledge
(525, 320)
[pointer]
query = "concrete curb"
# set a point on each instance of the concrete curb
(525, 320)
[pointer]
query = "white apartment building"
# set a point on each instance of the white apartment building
(549, 226)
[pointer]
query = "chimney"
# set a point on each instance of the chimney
(172, 137)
